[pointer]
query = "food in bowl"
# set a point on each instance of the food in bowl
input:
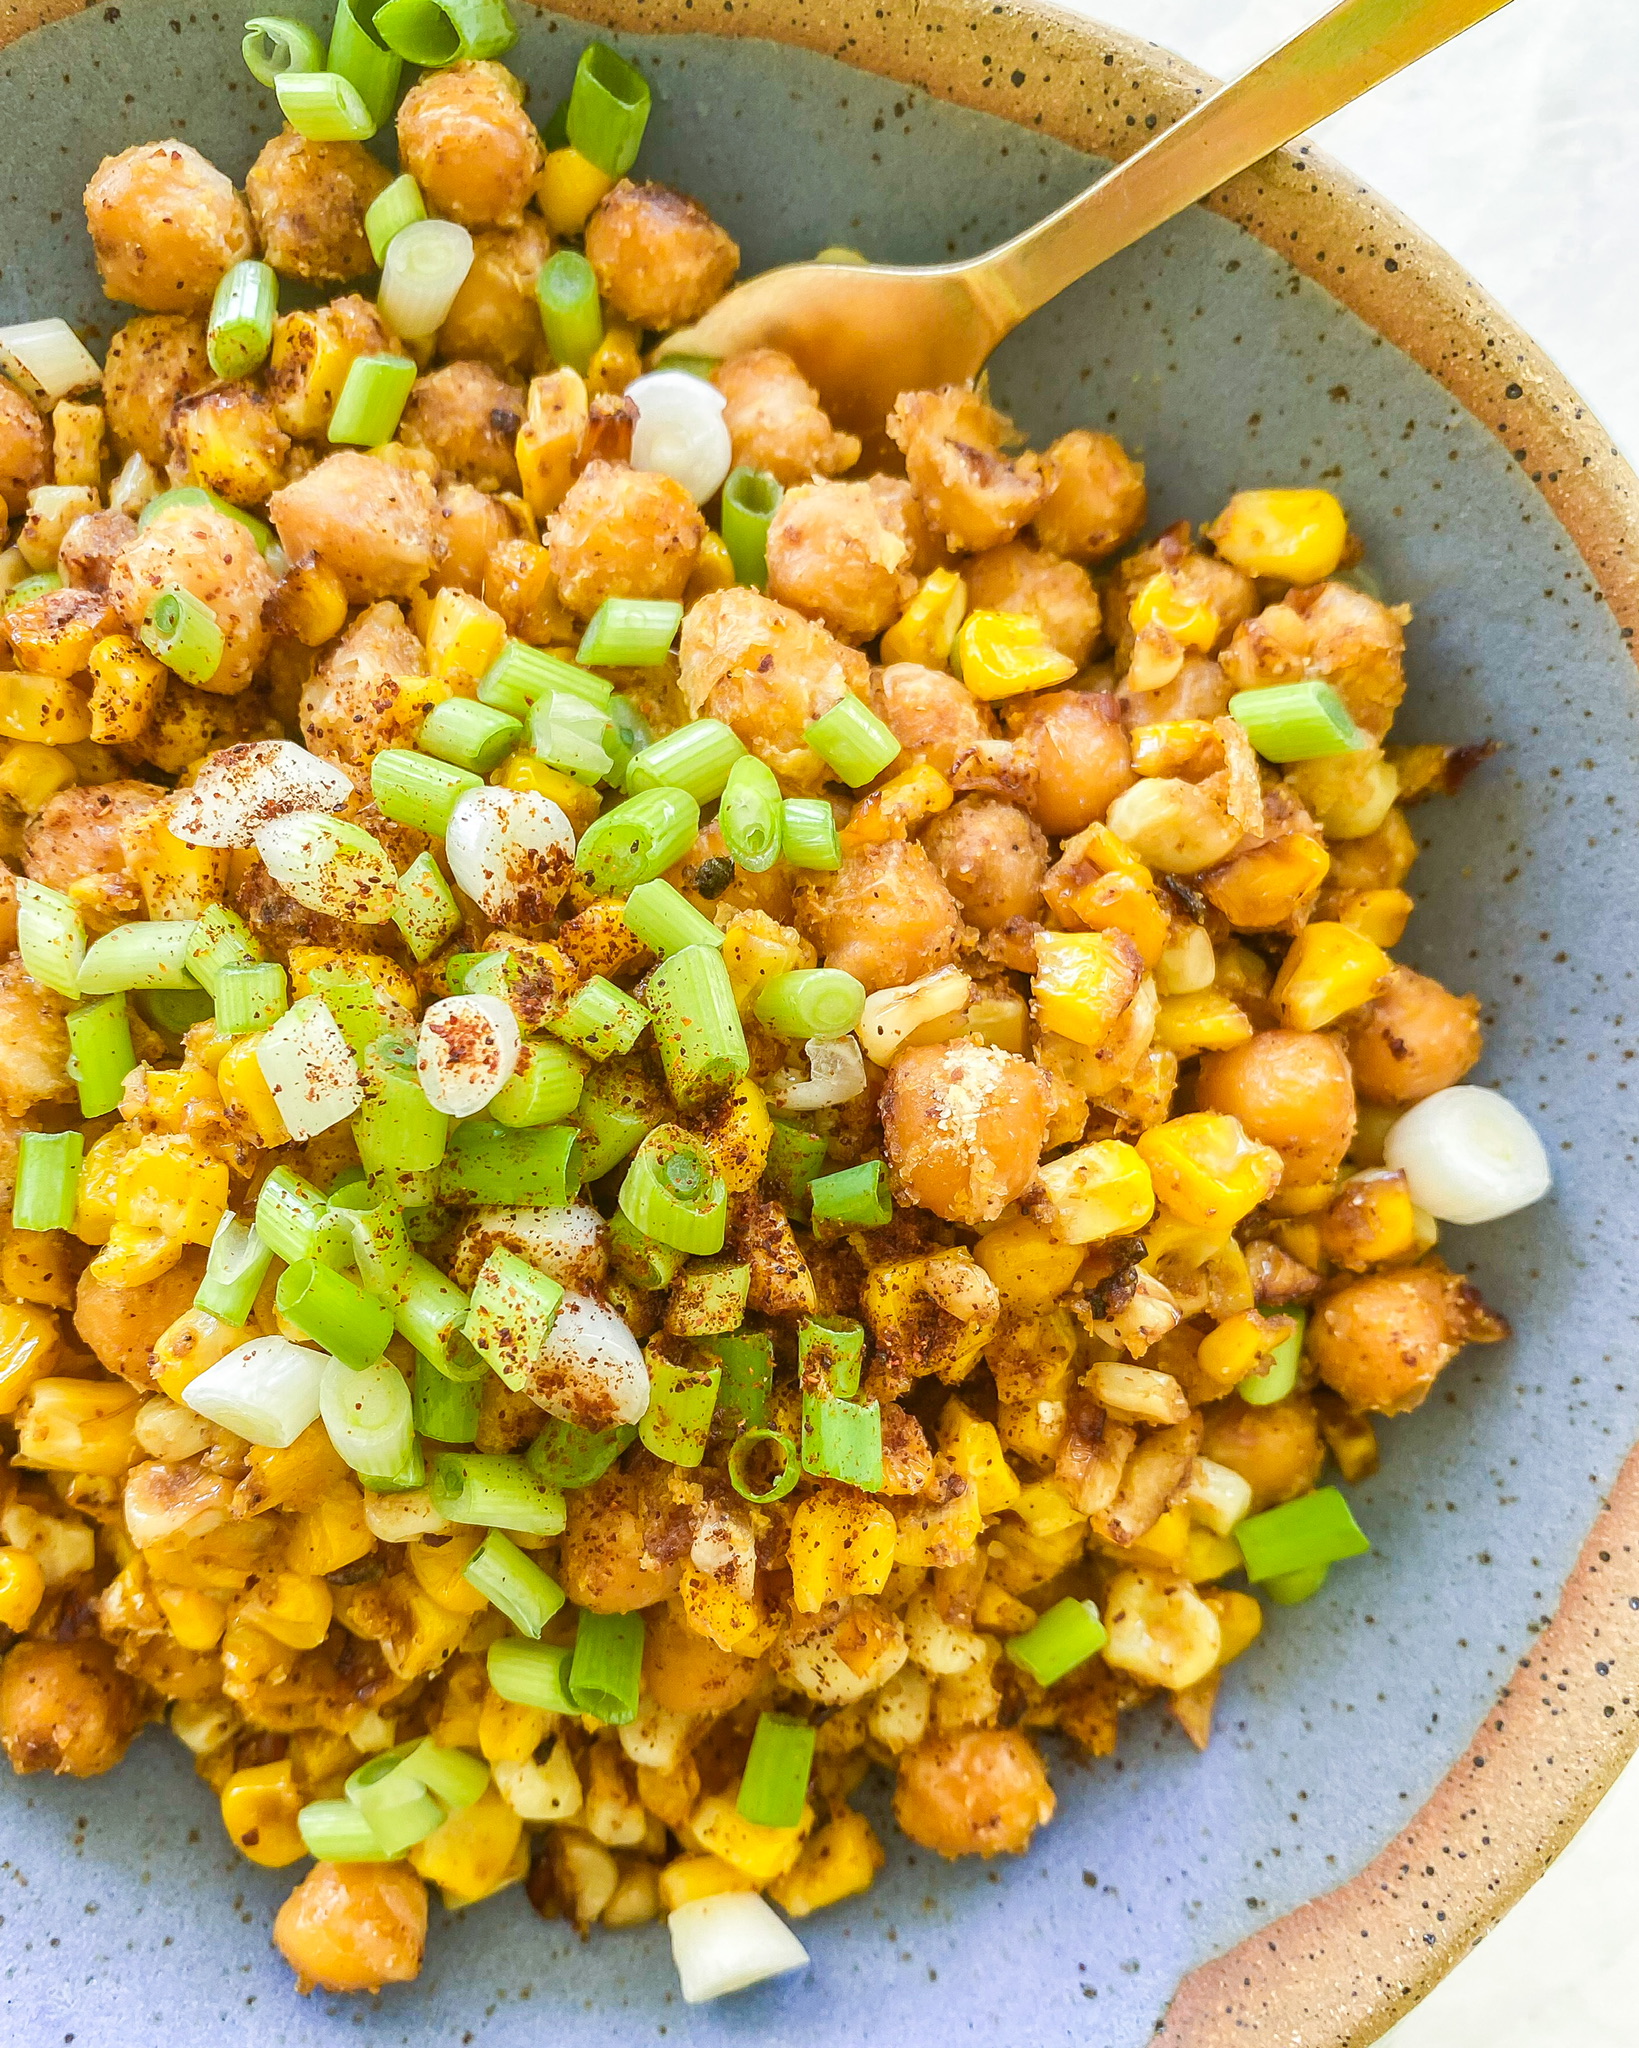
(682, 1120)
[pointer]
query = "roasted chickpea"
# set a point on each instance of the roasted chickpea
(91, 546)
(229, 441)
(884, 916)
(991, 857)
(1381, 1341)
(121, 1325)
(1277, 1450)
(687, 1673)
(1059, 594)
(930, 713)
(308, 200)
(606, 1565)
(972, 493)
(203, 551)
(832, 557)
(1333, 631)
(1199, 690)
(1097, 499)
(33, 1043)
(1070, 759)
(370, 521)
(623, 533)
(354, 1926)
(979, 1792)
(65, 1708)
(25, 448)
(77, 834)
(1413, 1038)
(469, 418)
(353, 704)
(963, 1125)
(165, 224)
(469, 528)
(1289, 1089)
(153, 361)
(775, 422)
(464, 137)
(494, 318)
(659, 257)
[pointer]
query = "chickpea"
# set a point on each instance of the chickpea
(1289, 1089)
(775, 422)
(1070, 753)
(469, 418)
(370, 521)
(1097, 501)
(832, 557)
(1199, 690)
(1333, 631)
(604, 1562)
(121, 1325)
(354, 1926)
(972, 493)
(929, 712)
(991, 857)
(1058, 593)
(901, 513)
(1413, 1038)
(65, 1708)
(685, 1673)
(469, 527)
(203, 551)
(308, 200)
(623, 533)
(78, 835)
(25, 448)
(464, 137)
(33, 1044)
(980, 1792)
(659, 257)
(1277, 1450)
(91, 547)
(1196, 582)
(494, 318)
(352, 705)
(1382, 1341)
(165, 225)
(963, 1125)
(884, 916)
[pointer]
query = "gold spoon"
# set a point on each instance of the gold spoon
(863, 333)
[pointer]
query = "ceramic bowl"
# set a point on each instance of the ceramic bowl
(1348, 1834)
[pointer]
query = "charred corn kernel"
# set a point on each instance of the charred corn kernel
(579, 804)
(1004, 654)
(185, 1348)
(463, 636)
(1328, 970)
(310, 359)
(567, 190)
(1240, 972)
(1269, 885)
(1120, 902)
(76, 443)
(926, 629)
(331, 1534)
(176, 1100)
(1031, 1267)
(1351, 1440)
(896, 809)
(1297, 536)
(245, 1092)
(78, 1426)
(178, 882)
(312, 966)
(933, 1535)
(195, 1619)
(836, 1863)
(1046, 1509)
(472, 1853)
(713, 569)
(1204, 1022)
(1370, 1222)
(1160, 602)
(455, 1725)
(760, 1853)
(1301, 1200)
(259, 1809)
(52, 510)
(22, 1588)
(227, 449)
(1081, 985)
(1380, 915)
(1001, 1019)
(549, 442)
(99, 1183)
(1240, 1622)
(32, 774)
(508, 1731)
(755, 949)
(698, 1876)
(1100, 1190)
(45, 709)
(48, 640)
(1002, 1613)
(1100, 848)
(310, 603)
(1300, 1239)
(974, 1448)
(841, 1548)
(738, 1134)
(1238, 1345)
(1176, 746)
(302, 1475)
(1209, 1556)
(616, 360)
(126, 686)
(438, 1571)
(1207, 1171)
(37, 1265)
(292, 1607)
(726, 1617)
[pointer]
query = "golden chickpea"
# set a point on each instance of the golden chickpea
(1057, 593)
(494, 318)
(464, 137)
(687, 1673)
(1097, 501)
(1277, 1450)
(469, 418)
(370, 521)
(25, 448)
(1381, 1341)
(121, 1325)
(604, 1564)
(659, 257)
(308, 200)
(832, 557)
(884, 916)
(929, 712)
(354, 1926)
(203, 551)
(165, 224)
(775, 422)
(991, 856)
(1070, 752)
(963, 1125)
(469, 526)
(972, 494)
(980, 1792)
(65, 1708)
(1289, 1089)
(1413, 1039)
(91, 546)
(78, 835)
(623, 533)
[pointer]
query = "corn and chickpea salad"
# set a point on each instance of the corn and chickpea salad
(677, 1121)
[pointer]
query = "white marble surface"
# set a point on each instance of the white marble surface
(1517, 148)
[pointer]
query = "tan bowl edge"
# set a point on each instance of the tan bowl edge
(1338, 1972)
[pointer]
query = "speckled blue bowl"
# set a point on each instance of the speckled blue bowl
(128, 1922)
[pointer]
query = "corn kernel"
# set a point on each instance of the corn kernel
(463, 637)
(187, 1347)
(32, 774)
(550, 440)
(1164, 1545)
(1295, 536)
(292, 1607)
(1347, 795)
(1380, 915)
(755, 950)
(301, 1476)
(935, 1535)
(127, 683)
(838, 1862)
(1004, 654)
(1176, 746)
(228, 448)
(1370, 1222)
(22, 1588)
(170, 1193)
(1120, 902)
(195, 1619)
(926, 629)
(46, 709)
(903, 803)
(37, 1265)
(259, 1809)
(99, 1183)
(713, 570)
(76, 443)
(616, 360)
(246, 1094)
(1002, 1613)
(472, 1854)
(698, 1876)
(1207, 1171)
(1269, 885)
(1159, 602)
(330, 1535)
(1328, 970)
(1046, 1509)
(310, 603)
(311, 356)
(841, 1548)
(510, 1732)
(1204, 1022)
(438, 1571)
(1100, 1190)
(524, 770)
(975, 1450)
(726, 1617)
(178, 882)
(1082, 983)
(760, 1853)
(1031, 1268)
(568, 189)
(1210, 1556)
(1020, 1560)
(1240, 1622)
(78, 1426)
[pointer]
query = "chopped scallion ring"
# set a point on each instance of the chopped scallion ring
(324, 106)
(749, 816)
(608, 110)
(751, 1453)
(1064, 1638)
(358, 54)
(567, 293)
(852, 741)
(184, 634)
(1296, 721)
(101, 1053)
(698, 757)
(774, 1787)
(372, 400)
(425, 266)
(240, 332)
(751, 497)
(607, 1665)
(275, 44)
(808, 833)
(48, 1171)
(513, 1582)
(630, 632)
(391, 210)
(1313, 1530)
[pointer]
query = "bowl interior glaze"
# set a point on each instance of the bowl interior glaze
(129, 1922)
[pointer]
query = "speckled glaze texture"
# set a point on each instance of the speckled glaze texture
(1348, 1835)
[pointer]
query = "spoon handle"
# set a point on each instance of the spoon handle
(1352, 47)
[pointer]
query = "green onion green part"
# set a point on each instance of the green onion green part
(250, 998)
(774, 1788)
(335, 1312)
(795, 1157)
(763, 1465)
(619, 1106)
(220, 938)
(857, 1198)
(137, 956)
(413, 789)
(1280, 1374)
(335, 1831)
(372, 400)
(676, 1425)
(424, 907)
(446, 1410)
(430, 1314)
(607, 1665)
(1296, 721)
(545, 1088)
(673, 1191)
(665, 920)
(513, 1582)
(492, 1490)
(852, 741)
(100, 1052)
(240, 332)
(567, 1456)
(630, 632)
(525, 1169)
(1062, 1640)
(608, 110)
(513, 1310)
(1315, 1529)
(396, 1127)
(708, 1299)
(831, 1354)
(749, 814)
(751, 497)
(747, 1359)
(697, 757)
(358, 54)
(391, 210)
(808, 834)
(637, 840)
(1288, 1589)
(842, 1440)
(532, 1674)
(601, 1019)
(567, 293)
(643, 1260)
(455, 1777)
(811, 1002)
(568, 734)
(275, 44)
(50, 937)
(237, 1265)
(469, 735)
(183, 634)
(48, 1179)
(697, 1027)
(324, 106)
(196, 494)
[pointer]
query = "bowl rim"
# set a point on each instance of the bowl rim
(1340, 1970)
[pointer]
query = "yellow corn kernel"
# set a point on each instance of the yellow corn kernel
(1238, 1345)
(836, 1863)
(737, 1132)
(926, 629)
(975, 1450)
(1206, 1021)
(1020, 1560)
(567, 190)
(301, 1476)
(292, 1607)
(22, 1588)
(53, 635)
(178, 882)
(1032, 1429)
(1328, 969)
(438, 1571)
(309, 604)
(1176, 746)
(841, 1548)
(76, 443)
(523, 770)
(176, 1100)
(195, 1619)
(1295, 536)
(510, 1732)
(726, 1617)
(713, 570)
(472, 1853)
(313, 967)
(1031, 1267)
(698, 1876)
(454, 1723)
(311, 356)
(1002, 1613)
(1164, 1544)
(1098, 1191)
(45, 709)
(755, 950)
(1160, 602)
(1081, 985)
(935, 1534)
(1240, 1622)
(31, 774)
(1301, 1240)
(126, 686)
(171, 1192)
(78, 1426)
(1046, 1509)
(463, 636)
(1210, 1556)
(99, 1183)
(1351, 1440)
(616, 360)
(36, 1265)
(1269, 885)
(1376, 914)
(245, 1093)
(760, 1853)
(1370, 1222)
(902, 804)
(259, 1809)
(226, 448)
(331, 1534)
(1004, 654)
(550, 440)
(1120, 902)
(187, 1347)
(1207, 1171)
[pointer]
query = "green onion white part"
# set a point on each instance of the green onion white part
(836, 1074)
(680, 431)
(240, 788)
(466, 1053)
(267, 1391)
(1468, 1155)
(329, 865)
(48, 360)
(310, 1068)
(426, 265)
(511, 851)
(591, 1369)
(729, 1941)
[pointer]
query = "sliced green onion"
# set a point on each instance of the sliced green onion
(749, 814)
(608, 110)
(32, 587)
(430, 1314)
(240, 332)
(234, 1271)
(324, 106)
(220, 939)
(697, 1027)
(436, 32)
(290, 1215)
(842, 1440)
(625, 737)
(568, 733)
(532, 1675)
(674, 1192)
(643, 1260)
(360, 56)
(469, 735)
(48, 1179)
(486, 1164)
(137, 956)
(520, 675)
(831, 1354)
(196, 494)
(50, 937)
(425, 266)
(774, 1790)
(567, 293)
(335, 1313)
(751, 497)
(795, 1157)
(491, 1490)
(1288, 1589)
(636, 841)
(619, 1106)
(173, 1010)
(513, 1582)
(366, 1221)
(396, 1128)
(1296, 721)
(391, 210)
(851, 740)
(183, 634)
(697, 757)
(630, 632)
(399, 1809)
(446, 1410)
(567, 1456)
(1060, 1642)
(372, 400)
(100, 1053)
(275, 44)
(811, 1002)
(607, 1666)
(601, 1019)
(749, 1460)
(335, 1831)
(708, 1299)
(808, 833)
(413, 789)
(368, 1416)
(747, 1359)
(250, 998)
(704, 367)
(513, 1310)
(676, 1425)
(1280, 1374)
(665, 920)
(454, 1777)
(1313, 1530)
(857, 1198)
(424, 907)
